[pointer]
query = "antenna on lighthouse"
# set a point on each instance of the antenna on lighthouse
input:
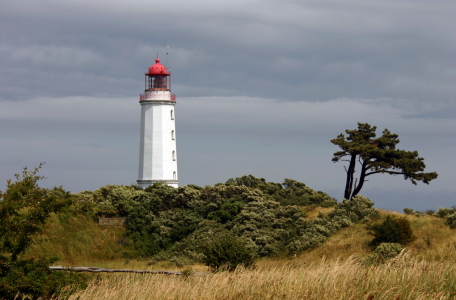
(167, 48)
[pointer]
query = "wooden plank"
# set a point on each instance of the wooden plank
(98, 270)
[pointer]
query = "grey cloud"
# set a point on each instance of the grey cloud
(318, 50)
(447, 113)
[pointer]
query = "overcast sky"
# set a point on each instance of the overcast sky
(262, 87)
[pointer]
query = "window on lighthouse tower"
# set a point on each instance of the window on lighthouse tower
(172, 116)
(172, 134)
(174, 155)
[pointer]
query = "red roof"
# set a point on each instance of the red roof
(157, 69)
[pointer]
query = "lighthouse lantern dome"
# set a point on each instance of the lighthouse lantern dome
(157, 77)
(158, 69)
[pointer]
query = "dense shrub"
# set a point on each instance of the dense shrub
(290, 192)
(226, 252)
(24, 209)
(35, 279)
(359, 208)
(267, 216)
(429, 212)
(388, 250)
(451, 220)
(391, 230)
(448, 214)
(408, 211)
(443, 212)
(382, 253)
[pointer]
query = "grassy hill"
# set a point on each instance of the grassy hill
(307, 245)
(80, 241)
(426, 270)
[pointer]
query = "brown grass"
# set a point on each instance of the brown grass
(78, 240)
(331, 271)
(313, 213)
(404, 277)
(435, 241)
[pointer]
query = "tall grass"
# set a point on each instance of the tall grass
(403, 277)
(330, 271)
(435, 241)
(79, 240)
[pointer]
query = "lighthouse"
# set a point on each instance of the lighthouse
(157, 147)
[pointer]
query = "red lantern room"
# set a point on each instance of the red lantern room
(158, 78)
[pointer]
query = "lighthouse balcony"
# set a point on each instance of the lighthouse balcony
(157, 96)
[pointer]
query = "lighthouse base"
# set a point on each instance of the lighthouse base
(146, 183)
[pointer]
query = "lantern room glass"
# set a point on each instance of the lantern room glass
(154, 82)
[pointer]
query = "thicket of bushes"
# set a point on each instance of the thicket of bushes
(266, 217)
(449, 214)
(392, 230)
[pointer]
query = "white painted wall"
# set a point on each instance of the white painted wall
(156, 147)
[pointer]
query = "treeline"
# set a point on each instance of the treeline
(267, 218)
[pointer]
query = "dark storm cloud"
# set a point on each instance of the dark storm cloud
(315, 50)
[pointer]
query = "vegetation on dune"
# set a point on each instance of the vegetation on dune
(267, 217)
(280, 228)
(402, 277)
(392, 230)
(448, 214)
(226, 252)
(24, 208)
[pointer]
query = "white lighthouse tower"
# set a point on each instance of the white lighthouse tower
(157, 148)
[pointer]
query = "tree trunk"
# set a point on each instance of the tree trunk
(362, 177)
(350, 172)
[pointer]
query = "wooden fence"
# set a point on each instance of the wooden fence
(99, 270)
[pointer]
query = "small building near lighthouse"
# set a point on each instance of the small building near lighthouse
(157, 147)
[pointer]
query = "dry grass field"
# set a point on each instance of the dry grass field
(425, 270)
(403, 277)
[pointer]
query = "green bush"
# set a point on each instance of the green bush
(34, 279)
(359, 208)
(417, 214)
(391, 230)
(448, 214)
(267, 216)
(227, 212)
(408, 211)
(451, 220)
(443, 212)
(226, 252)
(382, 253)
(290, 192)
(24, 209)
(388, 250)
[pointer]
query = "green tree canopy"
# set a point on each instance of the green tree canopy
(24, 208)
(376, 155)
